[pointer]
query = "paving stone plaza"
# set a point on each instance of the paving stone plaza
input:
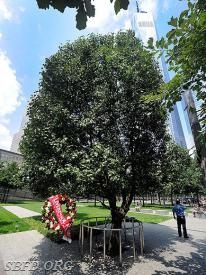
(164, 253)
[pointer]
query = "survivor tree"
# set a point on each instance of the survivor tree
(91, 126)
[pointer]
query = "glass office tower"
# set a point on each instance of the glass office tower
(144, 27)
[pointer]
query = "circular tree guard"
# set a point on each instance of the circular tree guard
(104, 226)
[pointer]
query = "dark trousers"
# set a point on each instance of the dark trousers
(181, 224)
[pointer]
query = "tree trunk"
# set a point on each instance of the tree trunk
(143, 200)
(196, 130)
(197, 195)
(117, 217)
(5, 195)
(171, 196)
(159, 198)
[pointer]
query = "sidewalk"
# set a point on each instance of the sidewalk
(20, 211)
(165, 253)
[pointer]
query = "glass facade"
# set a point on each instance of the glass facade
(144, 27)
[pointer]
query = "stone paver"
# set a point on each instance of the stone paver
(21, 212)
(164, 253)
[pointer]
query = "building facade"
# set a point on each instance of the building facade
(8, 156)
(144, 27)
(18, 136)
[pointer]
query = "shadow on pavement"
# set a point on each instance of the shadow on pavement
(174, 253)
(168, 252)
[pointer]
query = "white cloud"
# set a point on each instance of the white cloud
(103, 11)
(105, 19)
(165, 5)
(5, 13)
(5, 137)
(10, 98)
(22, 9)
(127, 25)
(10, 87)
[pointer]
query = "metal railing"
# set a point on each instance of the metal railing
(105, 226)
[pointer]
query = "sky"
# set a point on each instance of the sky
(28, 35)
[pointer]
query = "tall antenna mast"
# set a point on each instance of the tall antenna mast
(137, 5)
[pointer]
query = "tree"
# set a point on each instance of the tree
(180, 173)
(90, 126)
(10, 177)
(185, 49)
(193, 182)
(176, 159)
(84, 8)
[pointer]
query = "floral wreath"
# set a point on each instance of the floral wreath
(59, 225)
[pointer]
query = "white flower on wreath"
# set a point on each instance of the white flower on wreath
(47, 221)
(57, 228)
(51, 224)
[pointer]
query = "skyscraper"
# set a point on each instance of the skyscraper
(18, 136)
(144, 27)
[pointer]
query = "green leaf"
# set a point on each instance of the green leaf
(202, 19)
(120, 4)
(124, 4)
(81, 19)
(171, 34)
(161, 43)
(117, 6)
(59, 5)
(74, 3)
(183, 17)
(173, 22)
(150, 43)
(90, 9)
(43, 4)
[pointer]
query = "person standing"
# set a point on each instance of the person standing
(179, 213)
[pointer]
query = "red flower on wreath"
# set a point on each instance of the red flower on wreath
(59, 225)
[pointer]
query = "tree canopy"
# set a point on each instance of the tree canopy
(180, 172)
(10, 175)
(90, 126)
